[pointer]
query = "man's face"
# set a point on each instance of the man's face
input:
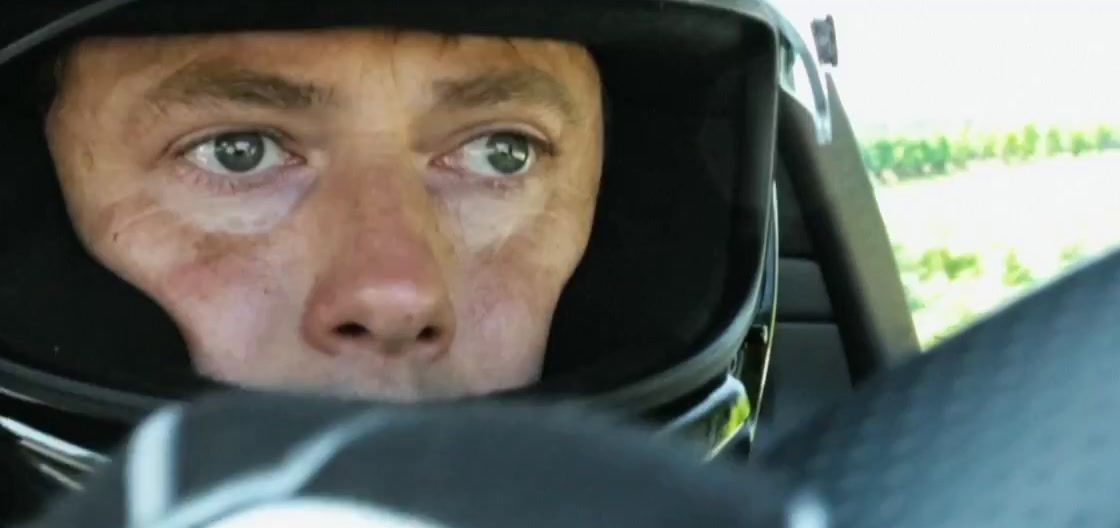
(371, 213)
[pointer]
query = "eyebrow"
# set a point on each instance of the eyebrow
(527, 85)
(223, 83)
(227, 83)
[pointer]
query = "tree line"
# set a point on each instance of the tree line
(899, 158)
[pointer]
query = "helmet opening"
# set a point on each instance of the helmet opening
(677, 236)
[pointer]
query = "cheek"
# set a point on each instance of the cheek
(224, 292)
(518, 254)
(482, 222)
(505, 316)
(134, 237)
(254, 212)
(239, 310)
(226, 305)
(503, 328)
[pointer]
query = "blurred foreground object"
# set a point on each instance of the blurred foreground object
(256, 460)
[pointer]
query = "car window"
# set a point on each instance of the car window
(991, 133)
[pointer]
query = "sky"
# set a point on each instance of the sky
(994, 62)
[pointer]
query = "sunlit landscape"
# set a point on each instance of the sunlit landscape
(971, 241)
(970, 113)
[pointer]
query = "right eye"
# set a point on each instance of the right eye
(237, 154)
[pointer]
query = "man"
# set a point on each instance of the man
(373, 212)
(438, 200)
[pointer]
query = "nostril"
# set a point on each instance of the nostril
(351, 330)
(428, 334)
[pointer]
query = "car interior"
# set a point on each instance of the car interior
(842, 313)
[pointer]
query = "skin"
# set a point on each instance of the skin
(379, 254)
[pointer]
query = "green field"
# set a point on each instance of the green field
(968, 242)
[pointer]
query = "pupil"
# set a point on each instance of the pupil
(239, 151)
(509, 153)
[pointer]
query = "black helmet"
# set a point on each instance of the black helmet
(668, 316)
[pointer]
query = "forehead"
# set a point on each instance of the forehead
(338, 54)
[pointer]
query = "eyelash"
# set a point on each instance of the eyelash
(539, 141)
(221, 184)
(279, 137)
(543, 147)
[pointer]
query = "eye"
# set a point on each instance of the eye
(497, 155)
(237, 154)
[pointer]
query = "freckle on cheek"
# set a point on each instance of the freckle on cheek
(87, 160)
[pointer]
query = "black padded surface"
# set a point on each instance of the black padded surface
(807, 375)
(1012, 423)
(804, 295)
(808, 366)
(793, 237)
(848, 238)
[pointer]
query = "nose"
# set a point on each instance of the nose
(393, 303)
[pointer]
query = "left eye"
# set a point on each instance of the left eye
(497, 155)
(237, 154)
